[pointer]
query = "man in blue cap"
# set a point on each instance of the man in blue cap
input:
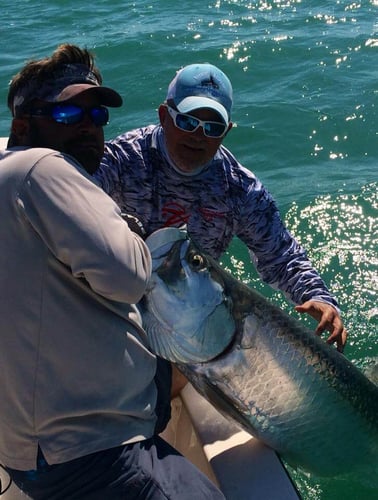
(178, 172)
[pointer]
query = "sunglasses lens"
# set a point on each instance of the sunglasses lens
(186, 122)
(100, 116)
(214, 129)
(67, 114)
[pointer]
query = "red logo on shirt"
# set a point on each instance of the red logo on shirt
(176, 214)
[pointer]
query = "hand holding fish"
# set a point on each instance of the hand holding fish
(329, 320)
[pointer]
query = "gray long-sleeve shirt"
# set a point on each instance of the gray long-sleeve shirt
(76, 375)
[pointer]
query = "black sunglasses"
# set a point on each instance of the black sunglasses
(71, 114)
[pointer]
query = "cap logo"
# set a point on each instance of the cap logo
(210, 83)
(76, 73)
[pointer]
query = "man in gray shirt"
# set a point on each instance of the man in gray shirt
(78, 396)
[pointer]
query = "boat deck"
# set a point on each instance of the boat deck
(239, 464)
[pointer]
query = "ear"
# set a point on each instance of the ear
(162, 114)
(20, 129)
(228, 128)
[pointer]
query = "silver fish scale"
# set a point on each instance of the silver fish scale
(277, 383)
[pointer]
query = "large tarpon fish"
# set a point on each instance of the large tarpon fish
(256, 364)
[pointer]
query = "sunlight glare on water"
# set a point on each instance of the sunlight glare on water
(343, 245)
(305, 77)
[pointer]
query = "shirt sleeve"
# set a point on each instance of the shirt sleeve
(83, 228)
(279, 258)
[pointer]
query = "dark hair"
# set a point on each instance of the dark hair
(39, 70)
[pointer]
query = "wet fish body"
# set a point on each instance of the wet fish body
(258, 365)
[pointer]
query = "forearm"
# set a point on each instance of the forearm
(295, 277)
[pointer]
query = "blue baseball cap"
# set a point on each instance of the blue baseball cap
(201, 86)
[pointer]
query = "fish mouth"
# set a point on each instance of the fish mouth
(189, 316)
(170, 271)
(161, 241)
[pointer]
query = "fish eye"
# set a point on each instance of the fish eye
(196, 261)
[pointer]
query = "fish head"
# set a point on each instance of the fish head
(186, 313)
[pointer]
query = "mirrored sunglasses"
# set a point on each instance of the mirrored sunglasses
(71, 114)
(190, 123)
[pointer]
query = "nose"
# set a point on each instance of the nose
(199, 132)
(86, 123)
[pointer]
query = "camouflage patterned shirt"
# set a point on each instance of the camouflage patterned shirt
(220, 201)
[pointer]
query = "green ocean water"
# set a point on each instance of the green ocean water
(305, 79)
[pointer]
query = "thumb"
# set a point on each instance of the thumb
(301, 308)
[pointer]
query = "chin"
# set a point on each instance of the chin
(91, 167)
(89, 163)
(189, 165)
